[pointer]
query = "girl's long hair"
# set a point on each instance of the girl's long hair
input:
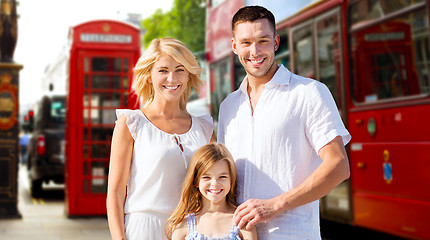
(176, 50)
(191, 198)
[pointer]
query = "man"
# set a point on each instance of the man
(285, 134)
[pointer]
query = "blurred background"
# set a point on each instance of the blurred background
(43, 29)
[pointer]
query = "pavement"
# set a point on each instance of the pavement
(45, 218)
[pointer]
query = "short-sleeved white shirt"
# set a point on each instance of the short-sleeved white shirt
(276, 147)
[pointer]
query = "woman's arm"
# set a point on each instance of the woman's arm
(119, 170)
(180, 232)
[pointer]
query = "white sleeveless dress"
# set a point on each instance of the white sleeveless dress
(158, 167)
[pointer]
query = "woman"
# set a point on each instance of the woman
(152, 146)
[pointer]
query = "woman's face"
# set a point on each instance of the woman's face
(169, 79)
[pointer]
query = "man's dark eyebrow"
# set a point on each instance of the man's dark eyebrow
(247, 39)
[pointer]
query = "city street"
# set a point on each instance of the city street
(44, 217)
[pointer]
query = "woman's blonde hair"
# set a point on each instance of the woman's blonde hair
(191, 198)
(176, 50)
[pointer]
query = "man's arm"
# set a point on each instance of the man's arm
(333, 170)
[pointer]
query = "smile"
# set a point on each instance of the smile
(171, 87)
(257, 61)
(215, 191)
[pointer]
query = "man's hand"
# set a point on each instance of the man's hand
(332, 171)
(255, 211)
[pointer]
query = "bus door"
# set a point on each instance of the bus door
(318, 54)
(103, 77)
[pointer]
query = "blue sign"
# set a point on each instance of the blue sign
(388, 172)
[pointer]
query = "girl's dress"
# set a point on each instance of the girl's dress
(158, 167)
(193, 234)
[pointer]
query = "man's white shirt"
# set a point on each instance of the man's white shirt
(276, 147)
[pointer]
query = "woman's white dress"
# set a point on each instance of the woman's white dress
(158, 167)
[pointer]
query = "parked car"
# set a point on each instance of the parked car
(46, 147)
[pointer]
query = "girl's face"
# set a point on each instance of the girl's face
(214, 184)
(169, 78)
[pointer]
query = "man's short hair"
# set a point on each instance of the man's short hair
(251, 14)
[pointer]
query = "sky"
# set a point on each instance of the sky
(43, 27)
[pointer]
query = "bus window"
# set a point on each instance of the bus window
(319, 57)
(422, 52)
(222, 84)
(303, 51)
(329, 54)
(239, 72)
(363, 11)
(283, 53)
(389, 75)
(390, 59)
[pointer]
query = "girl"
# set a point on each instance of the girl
(208, 199)
(151, 147)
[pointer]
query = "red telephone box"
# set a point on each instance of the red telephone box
(102, 56)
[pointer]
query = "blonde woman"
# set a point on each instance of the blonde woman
(208, 201)
(152, 146)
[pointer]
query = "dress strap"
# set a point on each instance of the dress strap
(234, 233)
(191, 221)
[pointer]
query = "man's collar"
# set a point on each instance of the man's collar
(282, 77)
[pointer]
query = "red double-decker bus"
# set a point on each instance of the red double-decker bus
(374, 57)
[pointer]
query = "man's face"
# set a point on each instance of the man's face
(255, 45)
